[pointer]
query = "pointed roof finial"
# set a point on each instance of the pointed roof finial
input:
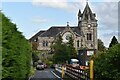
(86, 1)
(67, 23)
(79, 13)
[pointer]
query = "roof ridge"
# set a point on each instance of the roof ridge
(62, 26)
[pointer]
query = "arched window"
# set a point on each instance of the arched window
(78, 43)
(89, 36)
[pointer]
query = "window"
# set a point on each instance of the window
(81, 42)
(89, 36)
(45, 43)
(36, 39)
(91, 45)
(68, 37)
(78, 43)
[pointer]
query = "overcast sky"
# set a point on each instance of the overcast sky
(31, 16)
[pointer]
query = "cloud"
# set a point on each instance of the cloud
(107, 14)
(16, 0)
(107, 37)
(111, 33)
(60, 4)
(110, 1)
(39, 20)
(50, 3)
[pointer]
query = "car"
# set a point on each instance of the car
(74, 62)
(40, 66)
(45, 65)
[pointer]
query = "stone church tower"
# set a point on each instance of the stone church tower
(87, 24)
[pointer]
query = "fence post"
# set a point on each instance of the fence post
(63, 73)
(91, 69)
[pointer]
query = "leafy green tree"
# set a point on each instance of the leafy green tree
(35, 58)
(101, 46)
(114, 41)
(60, 51)
(63, 51)
(71, 49)
(0, 46)
(106, 65)
(16, 52)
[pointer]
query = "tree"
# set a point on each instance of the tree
(71, 49)
(35, 58)
(34, 46)
(101, 46)
(0, 46)
(113, 41)
(106, 65)
(16, 52)
(60, 51)
(63, 51)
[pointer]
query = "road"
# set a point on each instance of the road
(45, 74)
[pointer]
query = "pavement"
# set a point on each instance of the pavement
(66, 77)
(48, 74)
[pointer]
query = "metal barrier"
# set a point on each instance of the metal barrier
(74, 72)
(59, 69)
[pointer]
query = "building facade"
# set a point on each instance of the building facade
(84, 33)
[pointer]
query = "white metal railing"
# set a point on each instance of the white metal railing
(73, 72)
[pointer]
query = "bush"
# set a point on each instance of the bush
(16, 52)
(106, 65)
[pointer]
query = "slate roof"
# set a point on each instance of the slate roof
(36, 35)
(76, 30)
(53, 31)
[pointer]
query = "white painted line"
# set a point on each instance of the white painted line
(30, 77)
(55, 74)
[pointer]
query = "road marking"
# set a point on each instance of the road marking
(55, 74)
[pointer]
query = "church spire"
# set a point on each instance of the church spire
(79, 13)
(86, 1)
(87, 13)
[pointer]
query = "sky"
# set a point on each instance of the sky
(31, 16)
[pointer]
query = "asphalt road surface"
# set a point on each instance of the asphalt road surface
(45, 74)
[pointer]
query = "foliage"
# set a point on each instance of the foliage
(113, 41)
(0, 46)
(35, 58)
(101, 46)
(32, 71)
(35, 45)
(72, 51)
(60, 51)
(16, 52)
(63, 52)
(106, 64)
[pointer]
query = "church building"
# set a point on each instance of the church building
(84, 33)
